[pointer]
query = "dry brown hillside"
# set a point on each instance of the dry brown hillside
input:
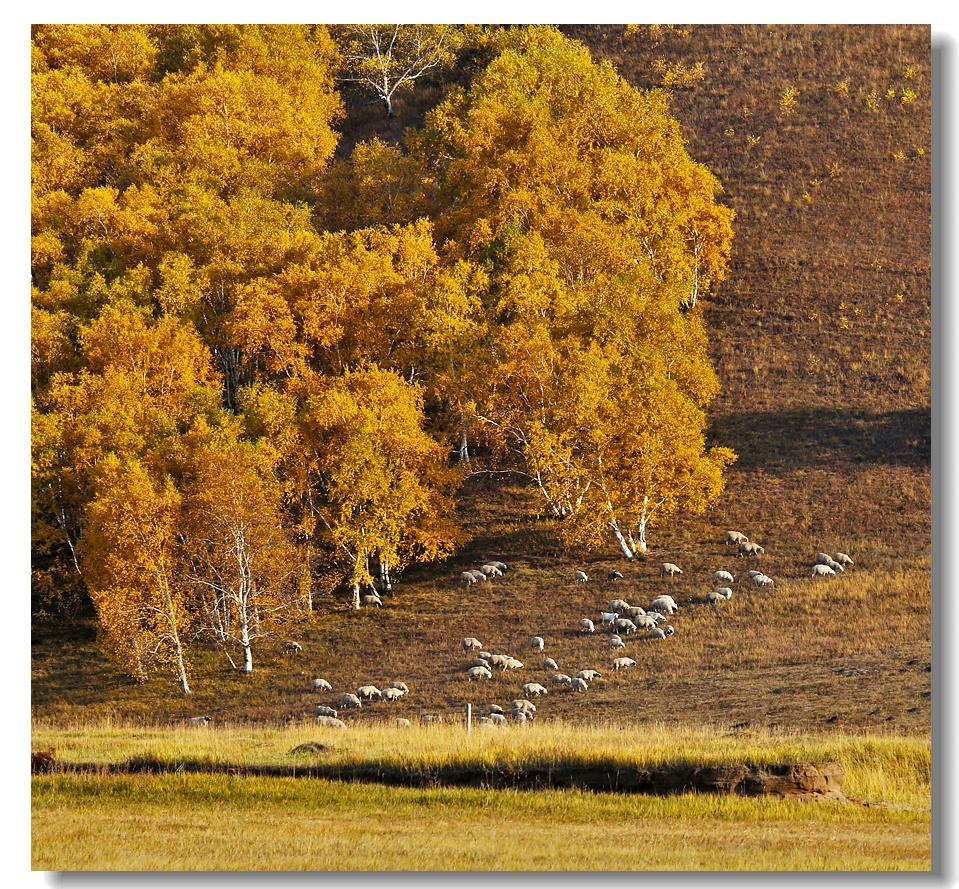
(821, 337)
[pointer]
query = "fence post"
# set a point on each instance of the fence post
(469, 719)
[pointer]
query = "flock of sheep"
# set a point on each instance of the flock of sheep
(622, 619)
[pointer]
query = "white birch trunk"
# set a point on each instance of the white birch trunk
(623, 544)
(356, 597)
(643, 519)
(245, 641)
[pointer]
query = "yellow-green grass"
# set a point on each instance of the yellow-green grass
(219, 822)
(879, 768)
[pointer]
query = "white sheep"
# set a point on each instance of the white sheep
(615, 575)
(431, 719)
(534, 688)
(369, 693)
(479, 662)
(497, 718)
(656, 616)
(669, 569)
(664, 603)
(550, 664)
(483, 655)
(479, 575)
(373, 601)
(609, 617)
(350, 701)
(615, 642)
(199, 720)
(498, 660)
(647, 622)
(537, 643)
(634, 611)
(320, 684)
(755, 573)
(523, 704)
(293, 647)
(330, 722)
(749, 549)
(322, 710)
(724, 575)
(486, 722)
(587, 626)
(495, 708)
(580, 577)
(724, 591)
(520, 716)
(588, 675)
(714, 597)
(392, 694)
(561, 679)
(623, 663)
(832, 563)
(402, 723)
(624, 624)
(478, 673)
(736, 537)
(402, 686)
(513, 664)
(656, 633)
(822, 571)
(763, 580)
(618, 605)
(844, 559)
(491, 571)
(500, 565)
(579, 684)
(467, 576)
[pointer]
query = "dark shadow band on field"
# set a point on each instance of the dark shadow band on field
(814, 780)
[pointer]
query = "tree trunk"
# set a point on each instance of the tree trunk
(643, 518)
(623, 544)
(464, 447)
(181, 669)
(356, 597)
(245, 642)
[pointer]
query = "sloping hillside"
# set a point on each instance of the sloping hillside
(821, 337)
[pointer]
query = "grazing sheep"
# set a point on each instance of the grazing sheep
(723, 592)
(669, 569)
(736, 537)
(588, 675)
(618, 605)
(724, 575)
(330, 722)
(199, 720)
(668, 630)
(656, 633)
(369, 693)
(402, 686)
(615, 575)
(392, 694)
(749, 549)
(467, 576)
(322, 710)
(580, 577)
(520, 716)
(550, 664)
(513, 664)
(844, 559)
(537, 643)
(402, 723)
(478, 673)
(485, 721)
(823, 559)
(498, 660)
(534, 688)
(634, 611)
(626, 625)
(479, 662)
(623, 663)
(587, 626)
(497, 718)
(755, 573)
(579, 684)
(523, 704)
(471, 643)
(822, 571)
(349, 701)
(763, 580)
(714, 597)
(647, 622)
(832, 563)
(483, 655)
(431, 718)
(479, 575)
(561, 679)
(293, 647)
(609, 617)
(500, 565)
(373, 601)
(615, 642)
(656, 616)
(491, 571)
(495, 708)
(320, 684)
(664, 603)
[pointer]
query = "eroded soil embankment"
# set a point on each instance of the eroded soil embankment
(818, 780)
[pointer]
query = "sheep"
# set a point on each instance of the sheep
(491, 571)
(823, 559)
(763, 580)
(330, 722)
(402, 686)
(495, 708)
(520, 716)
(724, 575)
(498, 660)
(749, 549)
(369, 693)
(736, 537)
(587, 626)
(615, 642)
(431, 719)
(467, 576)
(479, 575)
(609, 617)
(656, 616)
(722, 592)
(656, 633)
(350, 701)
(500, 565)
(400, 722)
(844, 559)
(485, 721)
(647, 622)
(392, 694)
(618, 605)
(199, 720)
(822, 571)
(292, 647)
(669, 569)
(318, 684)
(713, 597)
(626, 625)
(479, 662)
(664, 603)
(513, 664)
(588, 675)
(478, 673)
(561, 679)
(523, 704)
(579, 684)
(755, 574)
(580, 577)
(471, 643)
(635, 611)
(615, 575)
(534, 688)
(373, 601)
(668, 630)
(483, 655)
(550, 664)
(497, 718)
(832, 563)
(537, 643)
(322, 710)
(623, 663)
